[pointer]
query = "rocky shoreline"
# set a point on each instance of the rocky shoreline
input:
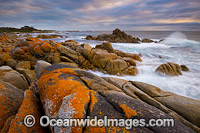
(49, 78)
(119, 36)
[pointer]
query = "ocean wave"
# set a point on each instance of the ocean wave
(179, 39)
(141, 45)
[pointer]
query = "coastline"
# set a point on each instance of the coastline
(27, 52)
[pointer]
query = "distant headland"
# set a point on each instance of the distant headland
(23, 29)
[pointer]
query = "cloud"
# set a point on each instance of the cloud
(174, 21)
(101, 14)
(105, 4)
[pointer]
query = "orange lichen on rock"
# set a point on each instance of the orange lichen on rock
(2, 87)
(128, 112)
(93, 99)
(51, 87)
(7, 49)
(30, 106)
(56, 89)
(4, 56)
(38, 50)
(19, 51)
(33, 39)
(33, 42)
(46, 47)
(96, 130)
(25, 48)
(9, 102)
(3, 38)
(7, 124)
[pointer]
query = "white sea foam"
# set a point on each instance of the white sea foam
(176, 48)
(179, 39)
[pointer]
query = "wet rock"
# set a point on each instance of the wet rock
(146, 40)
(130, 60)
(184, 68)
(171, 69)
(10, 101)
(30, 106)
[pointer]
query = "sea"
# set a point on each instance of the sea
(182, 48)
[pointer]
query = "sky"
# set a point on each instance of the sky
(102, 15)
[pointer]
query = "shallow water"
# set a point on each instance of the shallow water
(176, 48)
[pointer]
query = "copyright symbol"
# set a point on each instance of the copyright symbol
(29, 120)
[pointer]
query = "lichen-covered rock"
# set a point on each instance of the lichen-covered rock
(14, 78)
(10, 101)
(171, 69)
(103, 58)
(46, 47)
(30, 106)
(6, 126)
(4, 57)
(68, 92)
(69, 100)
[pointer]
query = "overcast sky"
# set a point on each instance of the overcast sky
(102, 14)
